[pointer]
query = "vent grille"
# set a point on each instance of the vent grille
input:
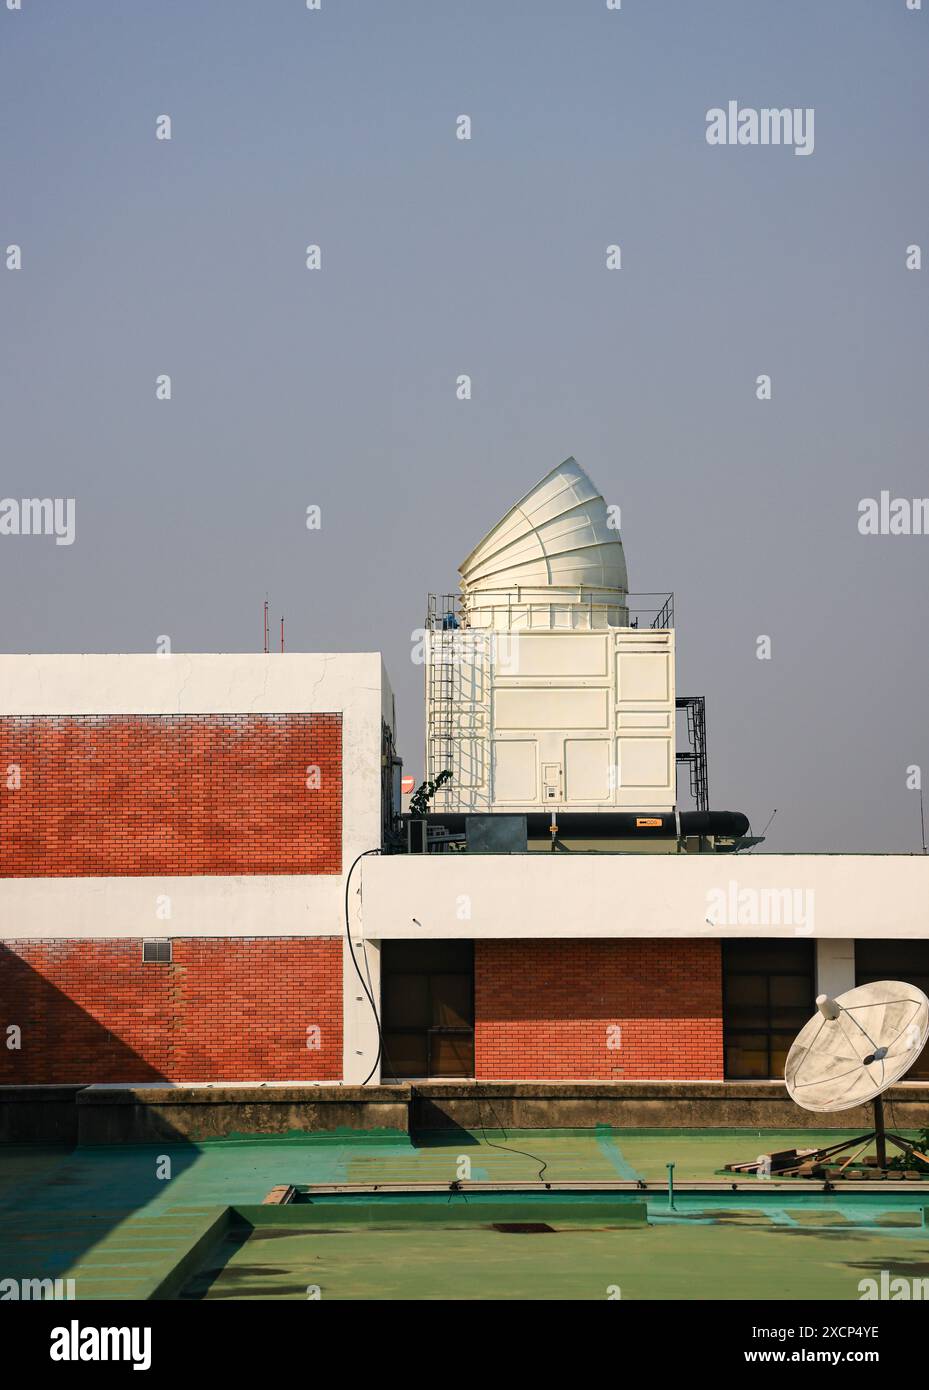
(156, 952)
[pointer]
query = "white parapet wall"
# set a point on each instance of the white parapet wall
(841, 896)
(353, 685)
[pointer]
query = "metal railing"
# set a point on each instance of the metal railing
(445, 612)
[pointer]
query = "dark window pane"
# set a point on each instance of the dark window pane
(919, 1071)
(790, 1020)
(738, 1020)
(751, 990)
(428, 957)
(896, 960)
(427, 987)
(892, 960)
(452, 1054)
(406, 1001)
(452, 1001)
(784, 956)
(747, 1058)
(767, 997)
(779, 1050)
(405, 1054)
(791, 989)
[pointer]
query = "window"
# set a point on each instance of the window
(768, 995)
(156, 952)
(427, 1001)
(896, 960)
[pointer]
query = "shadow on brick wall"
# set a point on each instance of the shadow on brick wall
(58, 1201)
(49, 1039)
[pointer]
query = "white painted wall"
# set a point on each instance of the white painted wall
(839, 896)
(352, 684)
(835, 966)
(224, 905)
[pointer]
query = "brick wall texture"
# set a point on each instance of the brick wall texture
(170, 794)
(231, 1009)
(550, 1010)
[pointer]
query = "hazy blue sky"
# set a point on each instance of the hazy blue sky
(485, 257)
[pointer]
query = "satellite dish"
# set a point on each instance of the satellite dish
(853, 1048)
(856, 1046)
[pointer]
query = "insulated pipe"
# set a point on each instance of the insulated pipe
(644, 825)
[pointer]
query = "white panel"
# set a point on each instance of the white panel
(648, 720)
(469, 760)
(587, 769)
(531, 709)
(515, 770)
(835, 966)
(644, 763)
(644, 676)
(560, 656)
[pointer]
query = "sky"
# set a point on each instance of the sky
(487, 257)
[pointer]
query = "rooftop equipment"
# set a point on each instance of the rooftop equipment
(496, 834)
(850, 1052)
(555, 560)
(544, 690)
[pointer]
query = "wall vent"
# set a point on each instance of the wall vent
(156, 952)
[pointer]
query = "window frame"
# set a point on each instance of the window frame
(765, 1028)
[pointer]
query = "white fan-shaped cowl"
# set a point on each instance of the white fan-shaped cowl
(556, 536)
(830, 1066)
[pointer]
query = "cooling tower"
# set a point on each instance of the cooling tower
(555, 560)
(540, 694)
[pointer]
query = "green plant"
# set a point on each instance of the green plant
(419, 801)
(908, 1162)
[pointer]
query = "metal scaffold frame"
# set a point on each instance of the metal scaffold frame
(695, 755)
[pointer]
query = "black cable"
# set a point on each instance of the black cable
(765, 831)
(506, 1148)
(364, 983)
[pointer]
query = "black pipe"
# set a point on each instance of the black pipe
(731, 824)
(647, 825)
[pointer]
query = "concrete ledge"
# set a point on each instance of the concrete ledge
(207, 1234)
(38, 1114)
(644, 1105)
(162, 1113)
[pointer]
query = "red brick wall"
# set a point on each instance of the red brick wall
(544, 1010)
(233, 1009)
(171, 794)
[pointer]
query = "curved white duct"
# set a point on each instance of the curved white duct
(554, 538)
